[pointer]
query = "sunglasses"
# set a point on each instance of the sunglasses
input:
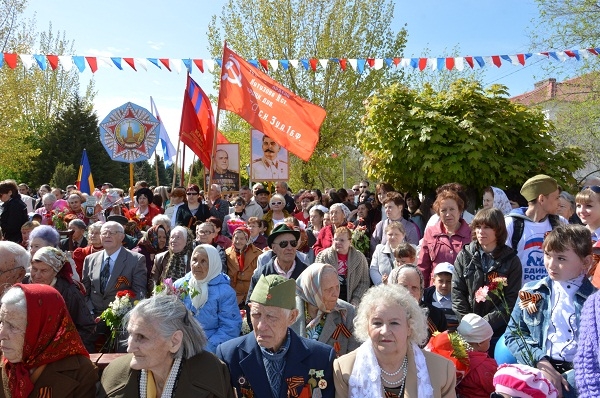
(276, 203)
(362, 186)
(284, 243)
(593, 188)
(238, 203)
(192, 193)
(356, 189)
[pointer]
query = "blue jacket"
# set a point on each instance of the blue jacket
(220, 316)
(535, 326)
(244, 359)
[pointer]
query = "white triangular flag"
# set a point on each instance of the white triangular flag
(66, 61)
(274, 64)
(27, 60)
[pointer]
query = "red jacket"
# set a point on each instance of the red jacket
(478, 381)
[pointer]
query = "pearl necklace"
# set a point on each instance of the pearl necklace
(169, 385)
(403, 368)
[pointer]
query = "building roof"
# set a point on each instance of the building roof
(577, 89)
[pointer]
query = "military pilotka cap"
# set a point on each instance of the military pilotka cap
(275, 291)
(541, 184)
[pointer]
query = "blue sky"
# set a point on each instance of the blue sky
(177, 29)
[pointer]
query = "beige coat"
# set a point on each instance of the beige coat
(442, 375)
(240, 281)
(358, 280)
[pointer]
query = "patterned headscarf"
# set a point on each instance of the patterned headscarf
(51, 256)
(150, 241)
(308, 288)
(176, 265)
(501, 201)
(50, 336)
(343, 208)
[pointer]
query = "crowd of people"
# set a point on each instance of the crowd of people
(345, 293)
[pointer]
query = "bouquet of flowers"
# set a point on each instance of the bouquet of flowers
(360, 240)
(234, 223)
(58, 219)
(496, 287)
(168, 287)
(116, 311)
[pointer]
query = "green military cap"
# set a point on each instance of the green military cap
(275, 291)
(540, 184)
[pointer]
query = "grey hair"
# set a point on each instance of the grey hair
(181, 229)
(22, 256)
(168, 315)
(569, 198)
(49, 196)
(396, 272)
(77, 223)
(257, 186)
(47, 233)
(15, 296)
(114, 224)
(161, 219)
(389, 295)
(342, 207)
(97, 226)
(217, 187)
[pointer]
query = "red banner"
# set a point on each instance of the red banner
(269, 107)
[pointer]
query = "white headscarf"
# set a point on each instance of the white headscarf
(215, 266)
(501, 201)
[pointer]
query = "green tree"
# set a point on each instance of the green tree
(297, 29)
(63, 175)
(418, 140)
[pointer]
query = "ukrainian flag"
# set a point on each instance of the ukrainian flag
(85, 182)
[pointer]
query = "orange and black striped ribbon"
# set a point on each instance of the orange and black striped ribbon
(341, 328)
(293, 383)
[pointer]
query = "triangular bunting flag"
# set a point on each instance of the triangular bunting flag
(285, 64)
(264, 64)
(155, 62)
(27, 60)
(324, 62)
(199, 64)
(41, 61)
(294, 63)
(66, 61)
(130, 62)
(79, 63)
(143, 62)
(117, 62)
(273, 64)
(313, 64)
(165, 62)
(210, 64)
(53, 61)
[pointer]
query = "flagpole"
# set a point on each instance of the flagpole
(183, 165)
(191, 169)
(156, 168)
(214, 148)
(175, 164)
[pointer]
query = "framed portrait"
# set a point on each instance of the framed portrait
(269, 160)
(226, 165)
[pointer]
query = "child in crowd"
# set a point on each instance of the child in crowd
(548, 311)
(439, 295)
(588, 209)
(405, 253)
(521, 381)
(256, 237)
(478, 382)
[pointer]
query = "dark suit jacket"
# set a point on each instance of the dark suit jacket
(70, 377)
(64, 244)
(201, 376)
(130, 266)
(244, 358)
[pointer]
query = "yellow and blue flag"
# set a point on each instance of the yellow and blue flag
(85, 182)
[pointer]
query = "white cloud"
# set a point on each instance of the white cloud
(156, 45)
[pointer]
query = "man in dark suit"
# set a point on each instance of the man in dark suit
(77, 239)
(111, 270)
(274, 361)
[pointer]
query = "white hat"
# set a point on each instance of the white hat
(474, 329)
(443, 267)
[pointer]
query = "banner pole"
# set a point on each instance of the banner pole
(191, 169)
(183, 165)
(131, 182)
(175, 165)
(214, 146)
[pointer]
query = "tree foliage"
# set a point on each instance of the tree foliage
(418, 140)
(300, 29)
(63, 175)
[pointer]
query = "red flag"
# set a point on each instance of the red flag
(269, 107)
(197, 129)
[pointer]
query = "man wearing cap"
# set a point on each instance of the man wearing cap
(440, 293)
(273, 361)
(261, 196)
(283, 241)
(527, 226)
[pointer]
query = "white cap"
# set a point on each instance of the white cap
(443, 267)
(474, 329)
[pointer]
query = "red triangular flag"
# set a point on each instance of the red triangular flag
(53, 61)
(343, 64)
(93, 63)
(422, 63)
(449, 63)
(521, 58)
(165, 62)
(371, 61)
(396, 61)
(130, 62)
(496, 60)
(313, 64)
(11, 60)
(470, 62)
(199, 64)
(264, 64)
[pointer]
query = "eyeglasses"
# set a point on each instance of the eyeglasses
(110, 233)
(276, 203)
(593, 188)
(238, 203)
(192, 193)
(284, 243)
(201, 232)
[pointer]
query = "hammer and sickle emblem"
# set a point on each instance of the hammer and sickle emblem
(233, 74)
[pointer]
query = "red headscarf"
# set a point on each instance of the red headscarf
(50, 336)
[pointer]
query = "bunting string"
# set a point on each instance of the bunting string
(94, 63)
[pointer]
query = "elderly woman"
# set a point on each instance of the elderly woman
(277, 213)
(75, 201)
(41, 236)
(444, 240)
(14, 211)
(351, 266)
(389, 362)
(495, 197)
(167, 356)
(242, 259)
(47, 201)
(210, 297)
(175, 262)
(410, 277)
(163, 220)
(194, 210)
(48, 268)
(338, 215)
(323, 316)
(153, 241)
(145, 211)
(43, 356)
(383, 260)
(94, 245)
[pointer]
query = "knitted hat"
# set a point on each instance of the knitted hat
(586, 360)
(275, 291)
(523, 381)
(443, 267)
(244, 229)
(474, 329)
(540, 184)
(55, 258)
(282, 229)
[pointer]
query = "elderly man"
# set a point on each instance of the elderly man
(229, 180)
(281, 187)
(252, 209)
(283, 241)
(111, 270)
(268, 167)
(274, 361)
(262, 197)
(217, 206)
(77, 239)
(14, 259)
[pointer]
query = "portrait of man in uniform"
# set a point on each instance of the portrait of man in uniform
(226, 168)
(269, 159)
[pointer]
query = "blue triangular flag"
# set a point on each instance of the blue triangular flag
(117, 62)
(188, 64)
(360, 65)
(284, 63)
(155, 62)
(41, 61)
(79, 62)
(480, 61)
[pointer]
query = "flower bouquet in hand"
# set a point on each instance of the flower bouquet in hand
(168, 287)
(496, 287)
(360, 240)
(114, 314)
(58, 219)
